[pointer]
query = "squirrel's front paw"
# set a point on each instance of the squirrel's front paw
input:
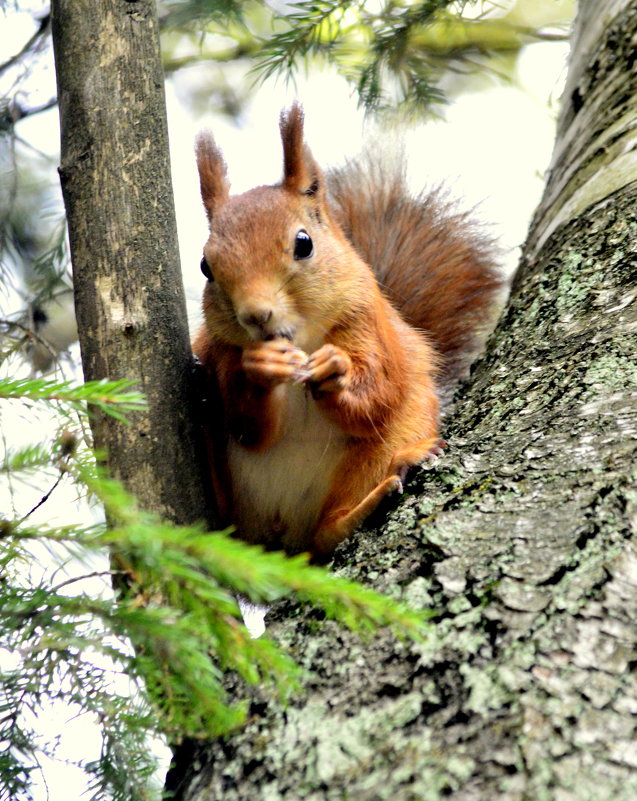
(329, 369)
(273, 362)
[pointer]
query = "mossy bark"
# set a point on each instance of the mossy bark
(129, 296)
(521, 538)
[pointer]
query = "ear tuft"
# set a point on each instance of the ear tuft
(300, 172)
(212, 173)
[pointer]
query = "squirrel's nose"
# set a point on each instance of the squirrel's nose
(254, 318)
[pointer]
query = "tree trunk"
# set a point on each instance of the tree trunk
(129, 296)
(522, 538)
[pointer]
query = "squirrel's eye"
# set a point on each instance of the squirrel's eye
(205, 269)
(303, 247)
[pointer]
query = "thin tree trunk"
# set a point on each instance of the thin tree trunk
(130, 303)
(522, 538)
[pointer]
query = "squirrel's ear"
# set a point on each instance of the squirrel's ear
(300, 172)
(212, 173)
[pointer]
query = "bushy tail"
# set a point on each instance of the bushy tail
(434, 263)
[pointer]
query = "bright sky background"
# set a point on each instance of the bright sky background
(491, 148)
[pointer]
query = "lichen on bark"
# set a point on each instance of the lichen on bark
(521, 539)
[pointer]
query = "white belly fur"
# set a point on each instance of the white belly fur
(278, 494)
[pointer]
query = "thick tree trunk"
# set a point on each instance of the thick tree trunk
(522, 538)
(130, 303)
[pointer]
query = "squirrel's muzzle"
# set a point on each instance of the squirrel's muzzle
(263, 322)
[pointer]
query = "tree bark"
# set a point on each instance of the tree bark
(521, 539)
(129, 296)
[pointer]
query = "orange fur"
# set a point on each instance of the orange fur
(326, 393)
(433, 262)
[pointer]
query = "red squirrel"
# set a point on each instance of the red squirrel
(327, 373)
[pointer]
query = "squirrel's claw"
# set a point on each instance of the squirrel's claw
(272, 362)
(329, 369)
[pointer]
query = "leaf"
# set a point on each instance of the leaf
(112, 397)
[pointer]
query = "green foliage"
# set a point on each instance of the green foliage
(108, 396)
(372, 47)
(173, 630)
(395, 53)
(31, 457)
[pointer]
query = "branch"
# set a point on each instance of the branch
(40, 33)
(245, 49)
(452, 36)
(30, 334)
(44, 498)
(14, 112)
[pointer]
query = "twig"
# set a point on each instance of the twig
(19, 113)
(96, 574)
(30, 334)
(41, 31)
(43, 499)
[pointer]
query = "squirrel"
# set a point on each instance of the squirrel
(338, 310)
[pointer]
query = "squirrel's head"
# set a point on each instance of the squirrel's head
(272, 258)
